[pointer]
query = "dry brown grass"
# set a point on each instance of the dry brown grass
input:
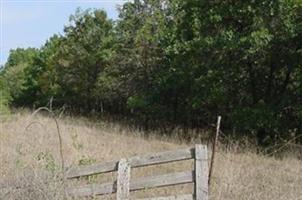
(30, 161)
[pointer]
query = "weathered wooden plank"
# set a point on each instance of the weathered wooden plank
(123, 180)
(157, 158)
(201, 172)
(138, 184)
(162, 180)
(92, 169)
(163, 157)
(92, 189)
(176, 197)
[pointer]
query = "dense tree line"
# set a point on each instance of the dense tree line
(173, 63)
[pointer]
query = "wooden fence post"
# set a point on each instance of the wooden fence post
(123, 180)
(201, 172)
(214, 149)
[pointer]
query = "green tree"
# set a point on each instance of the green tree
(241, 60)
(4, 97)
(14, 72)
(41, 82)
(176, 63)
(85, 51)
(140, 56)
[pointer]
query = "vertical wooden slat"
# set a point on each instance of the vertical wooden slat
(201, 172)
(123, 180)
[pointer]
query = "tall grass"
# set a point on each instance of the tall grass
(30, 160)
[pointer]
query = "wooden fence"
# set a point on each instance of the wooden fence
(124, 185)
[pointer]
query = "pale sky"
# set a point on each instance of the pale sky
(29, 23)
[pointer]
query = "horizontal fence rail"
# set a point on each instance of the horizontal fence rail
(176, 197)
(137, 184)
(124, 184)
(159, 158)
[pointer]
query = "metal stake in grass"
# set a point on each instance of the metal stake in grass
(214, 148)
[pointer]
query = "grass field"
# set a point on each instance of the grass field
(30, 160)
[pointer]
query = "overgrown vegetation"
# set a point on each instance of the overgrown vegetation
(174, 63)
(30, 161)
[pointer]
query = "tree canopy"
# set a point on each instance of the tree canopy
(174, 63)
